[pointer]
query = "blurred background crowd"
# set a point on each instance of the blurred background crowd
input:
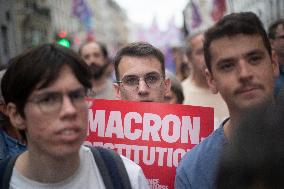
(28, 23)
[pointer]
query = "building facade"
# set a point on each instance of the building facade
(24, 24)
(109, 23)
(28, 23)
(7, 45)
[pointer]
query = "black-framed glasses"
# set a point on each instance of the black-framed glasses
(131, 82)
(51, 102)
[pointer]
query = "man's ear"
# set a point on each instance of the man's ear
(16, 119)
(275, 63)
(168, 85)
(210, 81)
(117, 91)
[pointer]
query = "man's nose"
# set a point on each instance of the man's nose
(142, 86)
(92, 61)
(245, 71)
(68, 106)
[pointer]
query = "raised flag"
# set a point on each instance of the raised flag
(82, 11)
(196, 17)
(218, 10)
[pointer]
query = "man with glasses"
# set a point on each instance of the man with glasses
(44, 89)
(140, 73)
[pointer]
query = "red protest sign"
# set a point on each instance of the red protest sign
(154, 135)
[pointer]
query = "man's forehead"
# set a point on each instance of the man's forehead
(141, 74)
(91, 47)
(222, 48)
(196, 39)
(131, 64)
(59, 81)
(49, 90)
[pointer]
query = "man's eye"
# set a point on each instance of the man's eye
(48, 99)
(152, 79)
(78, 95)
(86, 57)
(255, 59)
(131, 81)
(226, 66)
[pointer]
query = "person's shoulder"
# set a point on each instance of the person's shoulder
(135, 173)
(196, 169)
(3, 148)
(129, 163)
(211, 142)
(197, 157)
(85, 149)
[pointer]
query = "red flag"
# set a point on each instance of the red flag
(218, 10)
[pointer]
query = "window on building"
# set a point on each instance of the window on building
(4, 36)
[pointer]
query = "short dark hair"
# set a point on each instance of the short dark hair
(179, 94)
(140, 49)
(176, 87)
(101, 45)
(233, 24)
(272, 28)
(40, 67)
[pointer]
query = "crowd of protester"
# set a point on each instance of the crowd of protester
(234, 67)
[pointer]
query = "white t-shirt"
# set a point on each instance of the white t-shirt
(197, 96)
(86, 177)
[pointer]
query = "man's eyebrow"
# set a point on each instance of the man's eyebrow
(225, 60)
(47, 91)
(133, 75)
(153, 72)
(130, 75)
(250, 53)
(255, 52)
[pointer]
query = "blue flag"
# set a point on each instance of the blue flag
(82, 11)
(196, 17)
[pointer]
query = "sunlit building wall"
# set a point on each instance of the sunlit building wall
(62, 18)
(109, 23)
(7, 45)
(24, 24)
